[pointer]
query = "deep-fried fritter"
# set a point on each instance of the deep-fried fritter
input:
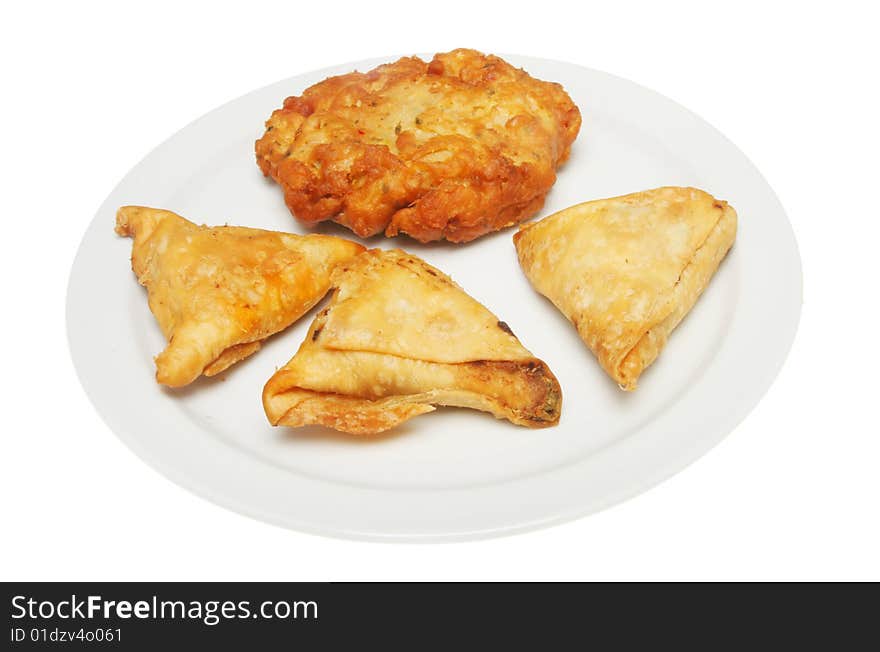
(455, 148)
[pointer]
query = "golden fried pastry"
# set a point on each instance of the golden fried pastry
(451, 149)
(398, 338)
(626, 270)
(218, 292)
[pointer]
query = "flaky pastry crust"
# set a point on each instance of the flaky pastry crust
(626, 270)
(218, 292)
(398, 338)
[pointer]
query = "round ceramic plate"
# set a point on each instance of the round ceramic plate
(454, 473)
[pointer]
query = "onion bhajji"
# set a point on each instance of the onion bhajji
(452, 149)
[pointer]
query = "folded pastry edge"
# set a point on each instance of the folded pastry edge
(288, 404)
(693, 280)
(231, 355)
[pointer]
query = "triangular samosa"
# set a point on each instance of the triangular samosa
(627, 270)
(218, 292)
(398, 338)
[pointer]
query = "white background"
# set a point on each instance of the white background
(90, 88)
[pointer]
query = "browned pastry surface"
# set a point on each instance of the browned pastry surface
(626, 270)
(218, 292)
(397, 338)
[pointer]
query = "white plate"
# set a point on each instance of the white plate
(454, 473)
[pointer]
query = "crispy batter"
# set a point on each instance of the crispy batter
(398, 338)
(218, 292)
(452, 149)
(627, 270)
